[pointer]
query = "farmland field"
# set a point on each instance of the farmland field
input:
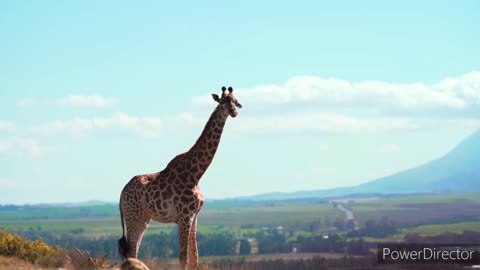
(288, 229)
(412, 212)
(445, 228)
(214, 219)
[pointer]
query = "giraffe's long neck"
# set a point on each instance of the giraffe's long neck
(202, 152)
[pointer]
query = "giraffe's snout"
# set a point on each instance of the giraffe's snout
(233, 113)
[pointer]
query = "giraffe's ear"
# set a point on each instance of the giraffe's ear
(238, 105)
(216, 98)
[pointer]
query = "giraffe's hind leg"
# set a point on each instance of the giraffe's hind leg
(192, 246)
(136, 226)
(183, 232)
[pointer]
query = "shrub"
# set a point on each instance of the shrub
(31, 251)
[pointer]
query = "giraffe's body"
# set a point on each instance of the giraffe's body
(173, 195)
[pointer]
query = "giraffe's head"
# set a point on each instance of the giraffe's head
(228, 101)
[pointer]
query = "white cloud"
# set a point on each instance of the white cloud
(148, 127)
(87, 101)
(23, 147)
(6, 126)
(330, 123)
(7, 183)
(92, 101)
(333, 106)
(466, 87)
(26, 102)
(389, 149)
(202, 100)
(323, 147)
(455, 94)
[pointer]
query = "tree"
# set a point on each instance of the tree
(245, 247)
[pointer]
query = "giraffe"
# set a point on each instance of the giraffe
(173, 194)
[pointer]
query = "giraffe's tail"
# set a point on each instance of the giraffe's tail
(123, 247)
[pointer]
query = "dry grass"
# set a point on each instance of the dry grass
(9, 263)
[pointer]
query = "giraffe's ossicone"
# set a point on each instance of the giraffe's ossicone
(173, 194)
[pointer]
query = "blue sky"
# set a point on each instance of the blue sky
(335, 93)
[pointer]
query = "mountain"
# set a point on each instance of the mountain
(457, 171)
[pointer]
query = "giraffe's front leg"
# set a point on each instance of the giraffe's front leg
(192, 246)
(183, 233)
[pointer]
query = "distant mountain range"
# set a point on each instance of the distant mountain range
(458, 171)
